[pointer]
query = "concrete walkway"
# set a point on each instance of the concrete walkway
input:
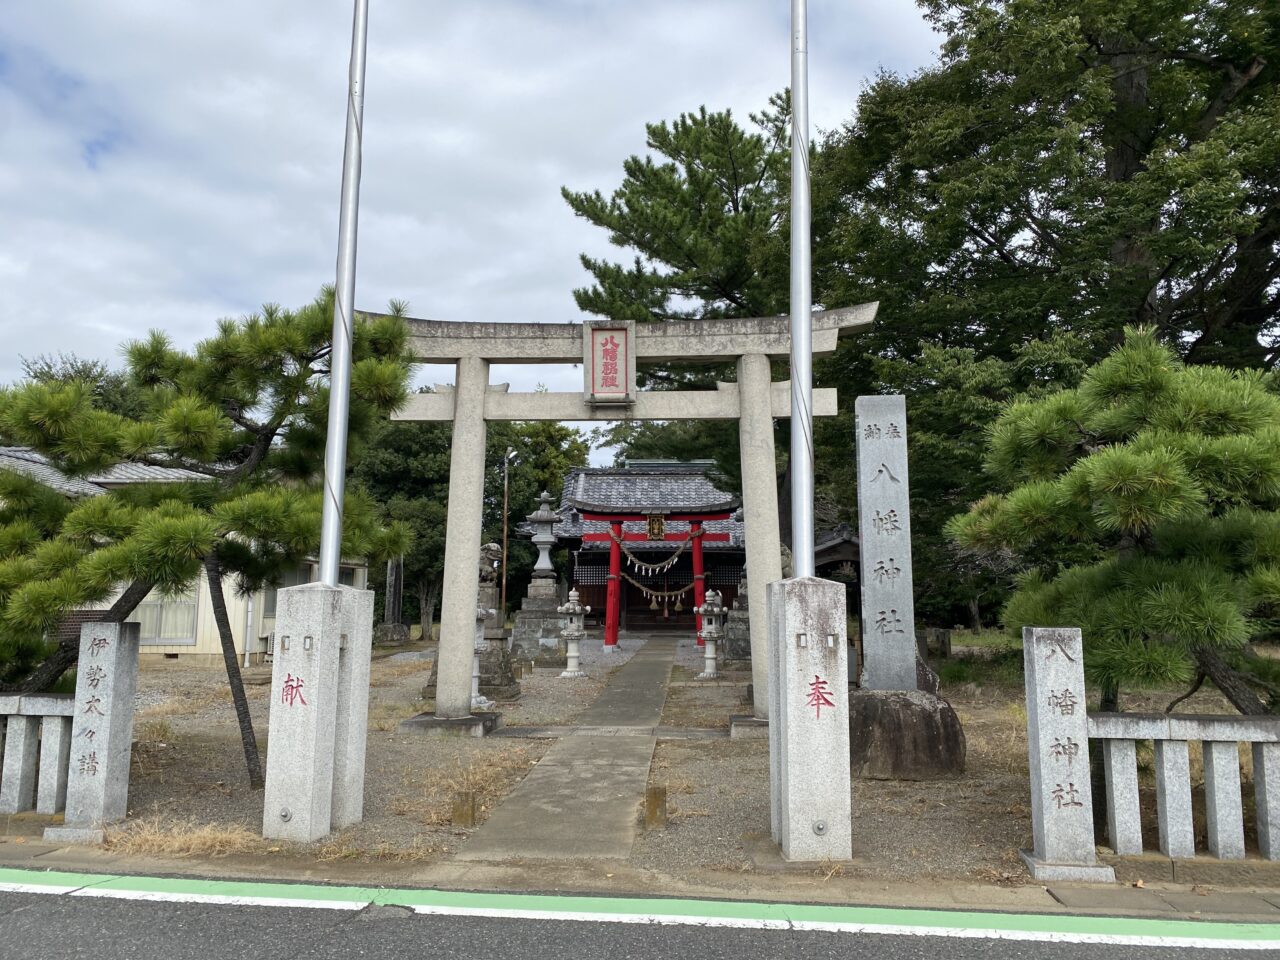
(582, 799)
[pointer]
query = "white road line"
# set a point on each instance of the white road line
(744, 923)
(881, 929)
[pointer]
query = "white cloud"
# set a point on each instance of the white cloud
(163, 164)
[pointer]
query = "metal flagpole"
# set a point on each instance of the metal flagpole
(335, 451)
(801, 303)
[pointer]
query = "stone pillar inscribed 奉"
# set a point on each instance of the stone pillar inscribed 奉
(809, 720)
(884, 527)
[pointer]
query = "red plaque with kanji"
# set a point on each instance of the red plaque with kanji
(609, 362)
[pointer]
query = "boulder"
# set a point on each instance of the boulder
(904, 735)
(390, 634)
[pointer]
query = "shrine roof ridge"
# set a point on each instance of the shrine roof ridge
(691, 341)
(642, 509)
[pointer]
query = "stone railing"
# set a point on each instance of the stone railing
(1171, 733)
(35, 739)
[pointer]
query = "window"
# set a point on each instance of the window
(305, 573)
(291, 578)
(167, 618)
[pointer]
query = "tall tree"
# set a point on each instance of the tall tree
(1068, 164)
(245, 412)
(1146, 504)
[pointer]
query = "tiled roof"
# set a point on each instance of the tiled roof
(647, 486)
(123, 473)
(37, 466)
(26, 461)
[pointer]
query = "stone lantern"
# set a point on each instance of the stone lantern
(574, 617)
(537, 626)
(542, 521)
(712, 612)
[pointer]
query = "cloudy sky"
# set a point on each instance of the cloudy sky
(164, 163)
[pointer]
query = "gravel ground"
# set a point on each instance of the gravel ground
(718, 791)
(546, 700)
(189, 768)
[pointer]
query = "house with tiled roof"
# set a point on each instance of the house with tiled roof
(181, 626)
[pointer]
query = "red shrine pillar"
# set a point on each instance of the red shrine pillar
(614, 597)
(699, 577)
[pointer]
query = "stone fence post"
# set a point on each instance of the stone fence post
(1058, 747)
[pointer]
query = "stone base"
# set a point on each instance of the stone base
(497, 676)
(747, 727)
(429, 725)
(1042, 870)
(904, 735)
(90, 836)
(390, 635)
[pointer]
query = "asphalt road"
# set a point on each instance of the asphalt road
(43, 927)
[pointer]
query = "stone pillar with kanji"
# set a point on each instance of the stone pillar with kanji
(809, 720)
(101, 732)
(884, 529)
(311, 623)
(1058, 748)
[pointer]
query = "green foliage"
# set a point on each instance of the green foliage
(1145, 504)
(405, 468)
(701, 218)
(244, 412)
(1065, 168)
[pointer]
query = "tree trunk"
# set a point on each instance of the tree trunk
(67, 635)
(429, 594)
(1231, 682)
(213, 569)
(424, 615)
(975, 613)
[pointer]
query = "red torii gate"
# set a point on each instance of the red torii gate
(617, 536)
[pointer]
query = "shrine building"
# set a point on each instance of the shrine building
(666, 530)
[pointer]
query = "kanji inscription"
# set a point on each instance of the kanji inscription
(291, 694)
(884, 525)
(609, 363)
(819, 696)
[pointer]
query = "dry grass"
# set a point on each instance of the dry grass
(153, 730)
(155, 837)
(344, 848)
(429, 800)
(184, 702)
(387, 716)
(996, 743)
(388, 674)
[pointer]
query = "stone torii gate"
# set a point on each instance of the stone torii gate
(610, 394)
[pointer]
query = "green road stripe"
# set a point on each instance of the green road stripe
(662, 908)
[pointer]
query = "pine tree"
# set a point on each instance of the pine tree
(1146, 506)
(246, 411)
